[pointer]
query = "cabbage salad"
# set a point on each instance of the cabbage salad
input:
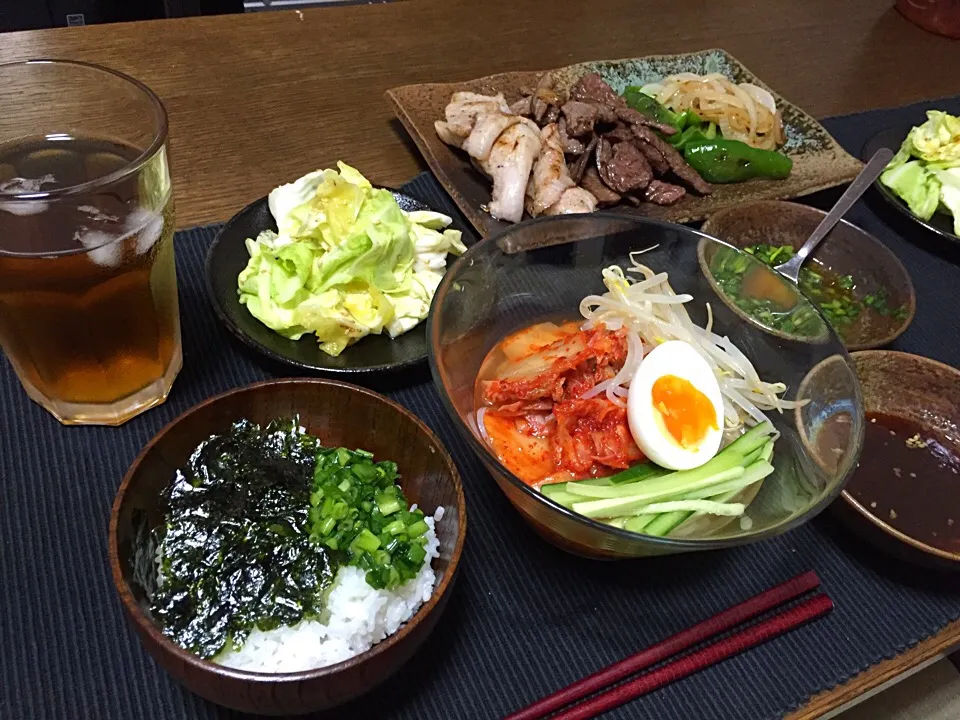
(346, 261)
(925, 172)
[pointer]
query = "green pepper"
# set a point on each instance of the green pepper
(689, 119)
(730, 161)
(693, 134)
(650, 107)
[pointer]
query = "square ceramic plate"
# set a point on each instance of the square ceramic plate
(818, 160)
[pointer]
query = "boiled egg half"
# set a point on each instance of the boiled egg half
(674, 407)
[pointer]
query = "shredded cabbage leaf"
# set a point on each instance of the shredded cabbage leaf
(924, 172)
(346, 261)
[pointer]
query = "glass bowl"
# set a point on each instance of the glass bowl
(540, 270)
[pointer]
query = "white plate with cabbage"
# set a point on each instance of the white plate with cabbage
(330, 273)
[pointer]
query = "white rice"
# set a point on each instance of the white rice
(359, 617)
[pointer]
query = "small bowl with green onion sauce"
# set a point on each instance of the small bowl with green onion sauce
(858, 285)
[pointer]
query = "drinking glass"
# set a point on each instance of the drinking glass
(88, 289)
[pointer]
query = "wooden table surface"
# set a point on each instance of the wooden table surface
(259, 99)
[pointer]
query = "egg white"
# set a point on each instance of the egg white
(646, 424)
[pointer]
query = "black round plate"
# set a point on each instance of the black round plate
(940, 223)
(370, 355)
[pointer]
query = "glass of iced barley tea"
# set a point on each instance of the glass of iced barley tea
(88, 289)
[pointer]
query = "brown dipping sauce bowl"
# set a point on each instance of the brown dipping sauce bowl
(883, 504)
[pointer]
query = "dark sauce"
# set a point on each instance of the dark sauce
(909, 477)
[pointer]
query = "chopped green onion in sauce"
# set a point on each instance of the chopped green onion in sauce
(833, 293)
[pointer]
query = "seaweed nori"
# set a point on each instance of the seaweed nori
(236, 549)
(143, 561)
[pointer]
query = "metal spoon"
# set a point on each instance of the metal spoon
(871, 171)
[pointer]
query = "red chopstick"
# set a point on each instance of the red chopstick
(673, 645)
(712, 654)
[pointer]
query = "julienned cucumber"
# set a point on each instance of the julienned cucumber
(649, 499)
(666, 522)
(624, 503)
(643, 471)
(669, 521)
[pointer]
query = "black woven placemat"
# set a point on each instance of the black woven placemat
(524, 618)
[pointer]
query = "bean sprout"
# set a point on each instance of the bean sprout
(650, 309)
(482, 427)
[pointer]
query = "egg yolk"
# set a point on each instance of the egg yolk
(687, 413)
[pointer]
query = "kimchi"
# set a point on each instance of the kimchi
(538, 413)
